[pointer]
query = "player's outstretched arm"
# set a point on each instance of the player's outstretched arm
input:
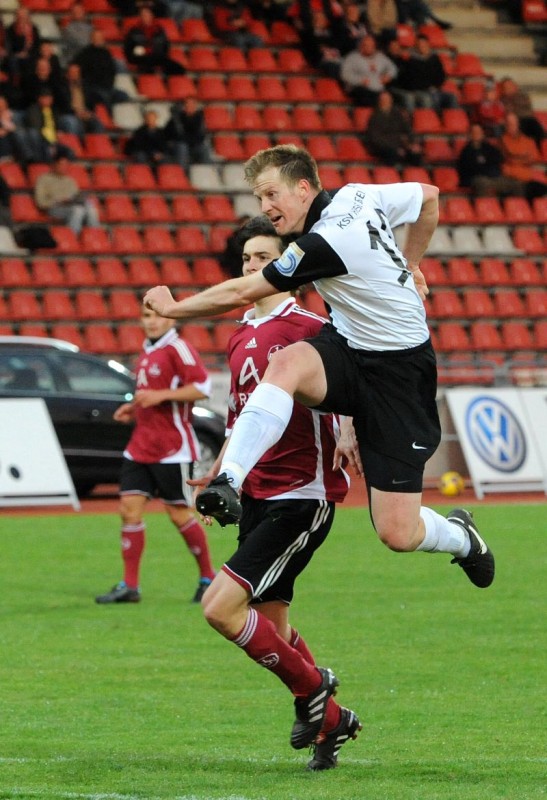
(234, 293)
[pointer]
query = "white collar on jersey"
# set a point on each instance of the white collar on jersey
(167, 338)
(280, 310)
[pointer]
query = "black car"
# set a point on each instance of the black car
(81, 392)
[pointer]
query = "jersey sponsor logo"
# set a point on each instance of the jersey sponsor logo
(251, 343)
(289, 260)
(155, 370)
(273, 350)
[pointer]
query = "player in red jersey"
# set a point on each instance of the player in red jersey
(163, 447)
(288, 505)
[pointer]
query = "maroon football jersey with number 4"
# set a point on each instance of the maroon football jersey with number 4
(164, 433)
(300, 464)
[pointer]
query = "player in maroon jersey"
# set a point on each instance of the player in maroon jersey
(160, 454)
(288, 505)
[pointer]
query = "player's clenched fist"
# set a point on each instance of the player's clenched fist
(160, 300)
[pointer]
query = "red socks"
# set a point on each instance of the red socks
(260, 640)
(196, 541)
(332, 717)
(132, 544)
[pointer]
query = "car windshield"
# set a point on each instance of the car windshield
(25, 372)
(88, 377)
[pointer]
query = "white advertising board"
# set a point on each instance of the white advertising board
(498, 433)
(33, 470)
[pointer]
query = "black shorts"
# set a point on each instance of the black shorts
(277, 539)
(391, 396)
(166, 481)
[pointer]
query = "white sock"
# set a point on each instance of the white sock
(260, 425)
(442, 536)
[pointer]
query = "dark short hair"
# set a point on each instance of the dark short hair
(257, 226)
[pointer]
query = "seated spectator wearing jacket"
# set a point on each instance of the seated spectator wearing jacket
(389, 134)
(98, 71)
(187, 134)
(420, 86)
(517, 101)
(366, 72)
(22, 43)
(42, 124)
(148, 143)
(231, 21)
(75, 33)
(57, 194)
(146, 46)
(520, 156)
(490, 113)
(480, 167)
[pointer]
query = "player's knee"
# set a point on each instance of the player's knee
(215, 613)
(395, 535)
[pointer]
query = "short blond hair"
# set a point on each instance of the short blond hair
(294, 164)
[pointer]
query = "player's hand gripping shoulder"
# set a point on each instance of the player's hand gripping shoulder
(347, 448)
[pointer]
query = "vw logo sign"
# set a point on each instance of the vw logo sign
(496, 434)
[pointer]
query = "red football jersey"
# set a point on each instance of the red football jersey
(164, 433)
(300, 464)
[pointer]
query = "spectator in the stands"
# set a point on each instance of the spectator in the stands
(43, 124)
(521, 158)
(322, 43)
(80, 105)
(355, 21)
(58, 195)
(187, 133)
(22, 42)
(232, 23)
(490, 113)
(418, 12)
(46, 50)
(148, 143)
(147, 47)
(5, 209)
(43, 78)
(98, 69)
(517, 101)
(421, 84)
(76, 33)
(382, 20)
(480, 167)
(269, 11)
(181, 10)
(366, 72)
(15, 140)
(388, 134)
(130, 8)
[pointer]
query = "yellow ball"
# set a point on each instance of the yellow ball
(451, 484)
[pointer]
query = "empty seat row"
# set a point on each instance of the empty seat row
(480, 303)
(519, 272)
(490, 336)
(487, 240)
(108, 271)
(492, 211)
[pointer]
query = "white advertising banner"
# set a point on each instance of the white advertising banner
(499, 432)
(33, 470)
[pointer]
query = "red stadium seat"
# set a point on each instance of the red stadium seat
(321, 148)
(152, 87)
(218, 234)
(434, 272)
(444, 304)
(524, 272)
(67, 241)
(300, 90)
(261, 59)
(37, 329)
(124, 305)
(539, 207)
(494, 272)
(79, 272)
(218, 208)
(127, 239)
(485, 336)
(462, 272)
(385, 175)
(57, 305)
(253, 142)
(110, 271)
(174, 272)
(468, 65)
(179, 87)
(24, 306)
(119, 208)
(90, 305)
(207, 272)
(356, 174)
(459, 211)
(478, 304)
(191, 240)
(172, 177)
(327, 90)
(142, 271)
(23, 209)
(198, 335)
(94, 240)
(337, 120)
(425, 120)
(14, 175)
(196, 30)
(435, 34)
(187, 208)
(508, 303)
(241, 88)
(46, 272)
(211, 88)
(80, 175)
(473, 92)
(229, 147)
(489, 211)
(14, 273)
(277, 118)
(218, 118)
(106, 178)
(232, 59)
(540, 334)
(418, 174)
(290, 59)
(516, 336)
(68, 332)
(203, 59)
(536, 302)
(452, 336)
(248, 118)
(305, 118)
(153, 208)
(139, 178)
(270, 88)
(518, 211)
(330, 177)
(283, 33)
(158, 239)
(100, 338)
(437, 149)
(455, 120)
(222, 332)
(446, 178)
(130, 339)
(529, 240)
(350, 148)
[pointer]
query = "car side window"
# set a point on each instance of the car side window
(88, 377)
(25, 373)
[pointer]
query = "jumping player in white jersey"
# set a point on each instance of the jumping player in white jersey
(374, 362)
(288, 502)
(159, 456)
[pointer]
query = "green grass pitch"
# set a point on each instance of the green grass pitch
(147, 702)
